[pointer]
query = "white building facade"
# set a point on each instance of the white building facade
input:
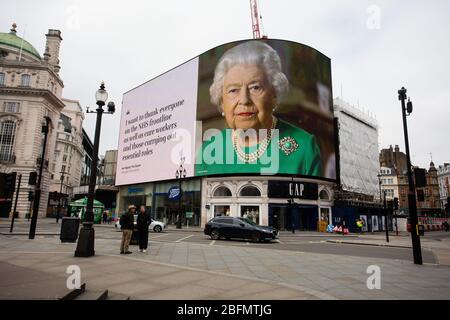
(30, 89)
(69, 153)
(389, 182)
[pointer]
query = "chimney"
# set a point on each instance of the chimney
(397, 149)
(52, 48)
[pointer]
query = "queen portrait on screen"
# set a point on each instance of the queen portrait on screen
(248, 87)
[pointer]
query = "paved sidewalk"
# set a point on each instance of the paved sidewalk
(441, 248)
(202, 271)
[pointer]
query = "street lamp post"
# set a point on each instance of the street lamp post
(58, 213)
(180, 173)
(85, 245)
(417, 253)
(383, 200)
(385, 216)
(37, 192)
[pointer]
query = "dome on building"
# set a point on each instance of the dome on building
(12, 40)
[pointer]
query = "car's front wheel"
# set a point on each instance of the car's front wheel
(215, 234)
(256, 237)
(157, 229)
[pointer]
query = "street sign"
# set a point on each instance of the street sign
(189, 215)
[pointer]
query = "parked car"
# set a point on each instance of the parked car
(242, 228)
(156, 226)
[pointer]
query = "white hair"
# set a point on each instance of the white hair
(250, 53)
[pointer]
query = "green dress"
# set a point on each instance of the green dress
(295, 151)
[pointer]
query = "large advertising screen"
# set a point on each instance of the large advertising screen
(256, 107)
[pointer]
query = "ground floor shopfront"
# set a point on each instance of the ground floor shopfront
(261, 199)
(265, 200)
(160, 202)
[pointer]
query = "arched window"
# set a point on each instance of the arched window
(323, 195)
(2, 79)
(7, 134)
(25, 80)
(222, 192)
(250, 191)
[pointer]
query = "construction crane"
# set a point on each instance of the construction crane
(256, 21)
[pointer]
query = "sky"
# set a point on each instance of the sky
(375, 47)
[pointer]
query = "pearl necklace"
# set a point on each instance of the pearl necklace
(255, 155)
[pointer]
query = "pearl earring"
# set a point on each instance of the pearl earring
(223, 114)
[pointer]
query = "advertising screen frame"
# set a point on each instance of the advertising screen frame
(333, 139)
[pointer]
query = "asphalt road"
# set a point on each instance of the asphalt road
(286, 242)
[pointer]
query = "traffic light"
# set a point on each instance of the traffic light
(30, 196)
(390, 204)
(10, 183)
(32, 179)
(420, 178)
(395, 203)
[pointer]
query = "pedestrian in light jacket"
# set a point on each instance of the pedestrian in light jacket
(143, 222)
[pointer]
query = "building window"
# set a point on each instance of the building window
(64, 158)
(390, 193)
(66, 148)
(250, 191)
(25, 80)
(7, 134)
(12, 107)
(2, 79)
(323, 195)
(222, 192)
(52, 176)
(63, 168)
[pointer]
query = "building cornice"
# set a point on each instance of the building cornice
(28, 91)
(31, 65)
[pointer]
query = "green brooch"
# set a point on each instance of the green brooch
(288, 145)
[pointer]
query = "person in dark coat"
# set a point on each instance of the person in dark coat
(143, 222)
(127, 226)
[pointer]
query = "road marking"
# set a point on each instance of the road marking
(162, 235)
(212, 242)
(179, 240)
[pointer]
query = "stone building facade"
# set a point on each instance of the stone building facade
(429, 204)
(67, 162)
(393, 158)
(30, 89)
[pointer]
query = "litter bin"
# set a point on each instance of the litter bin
(421, 230)
(69, 229)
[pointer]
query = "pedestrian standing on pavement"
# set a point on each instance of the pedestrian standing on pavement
(57, 215)
(359, 224)
(143, 222)
(105, 217)
(127, 226)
